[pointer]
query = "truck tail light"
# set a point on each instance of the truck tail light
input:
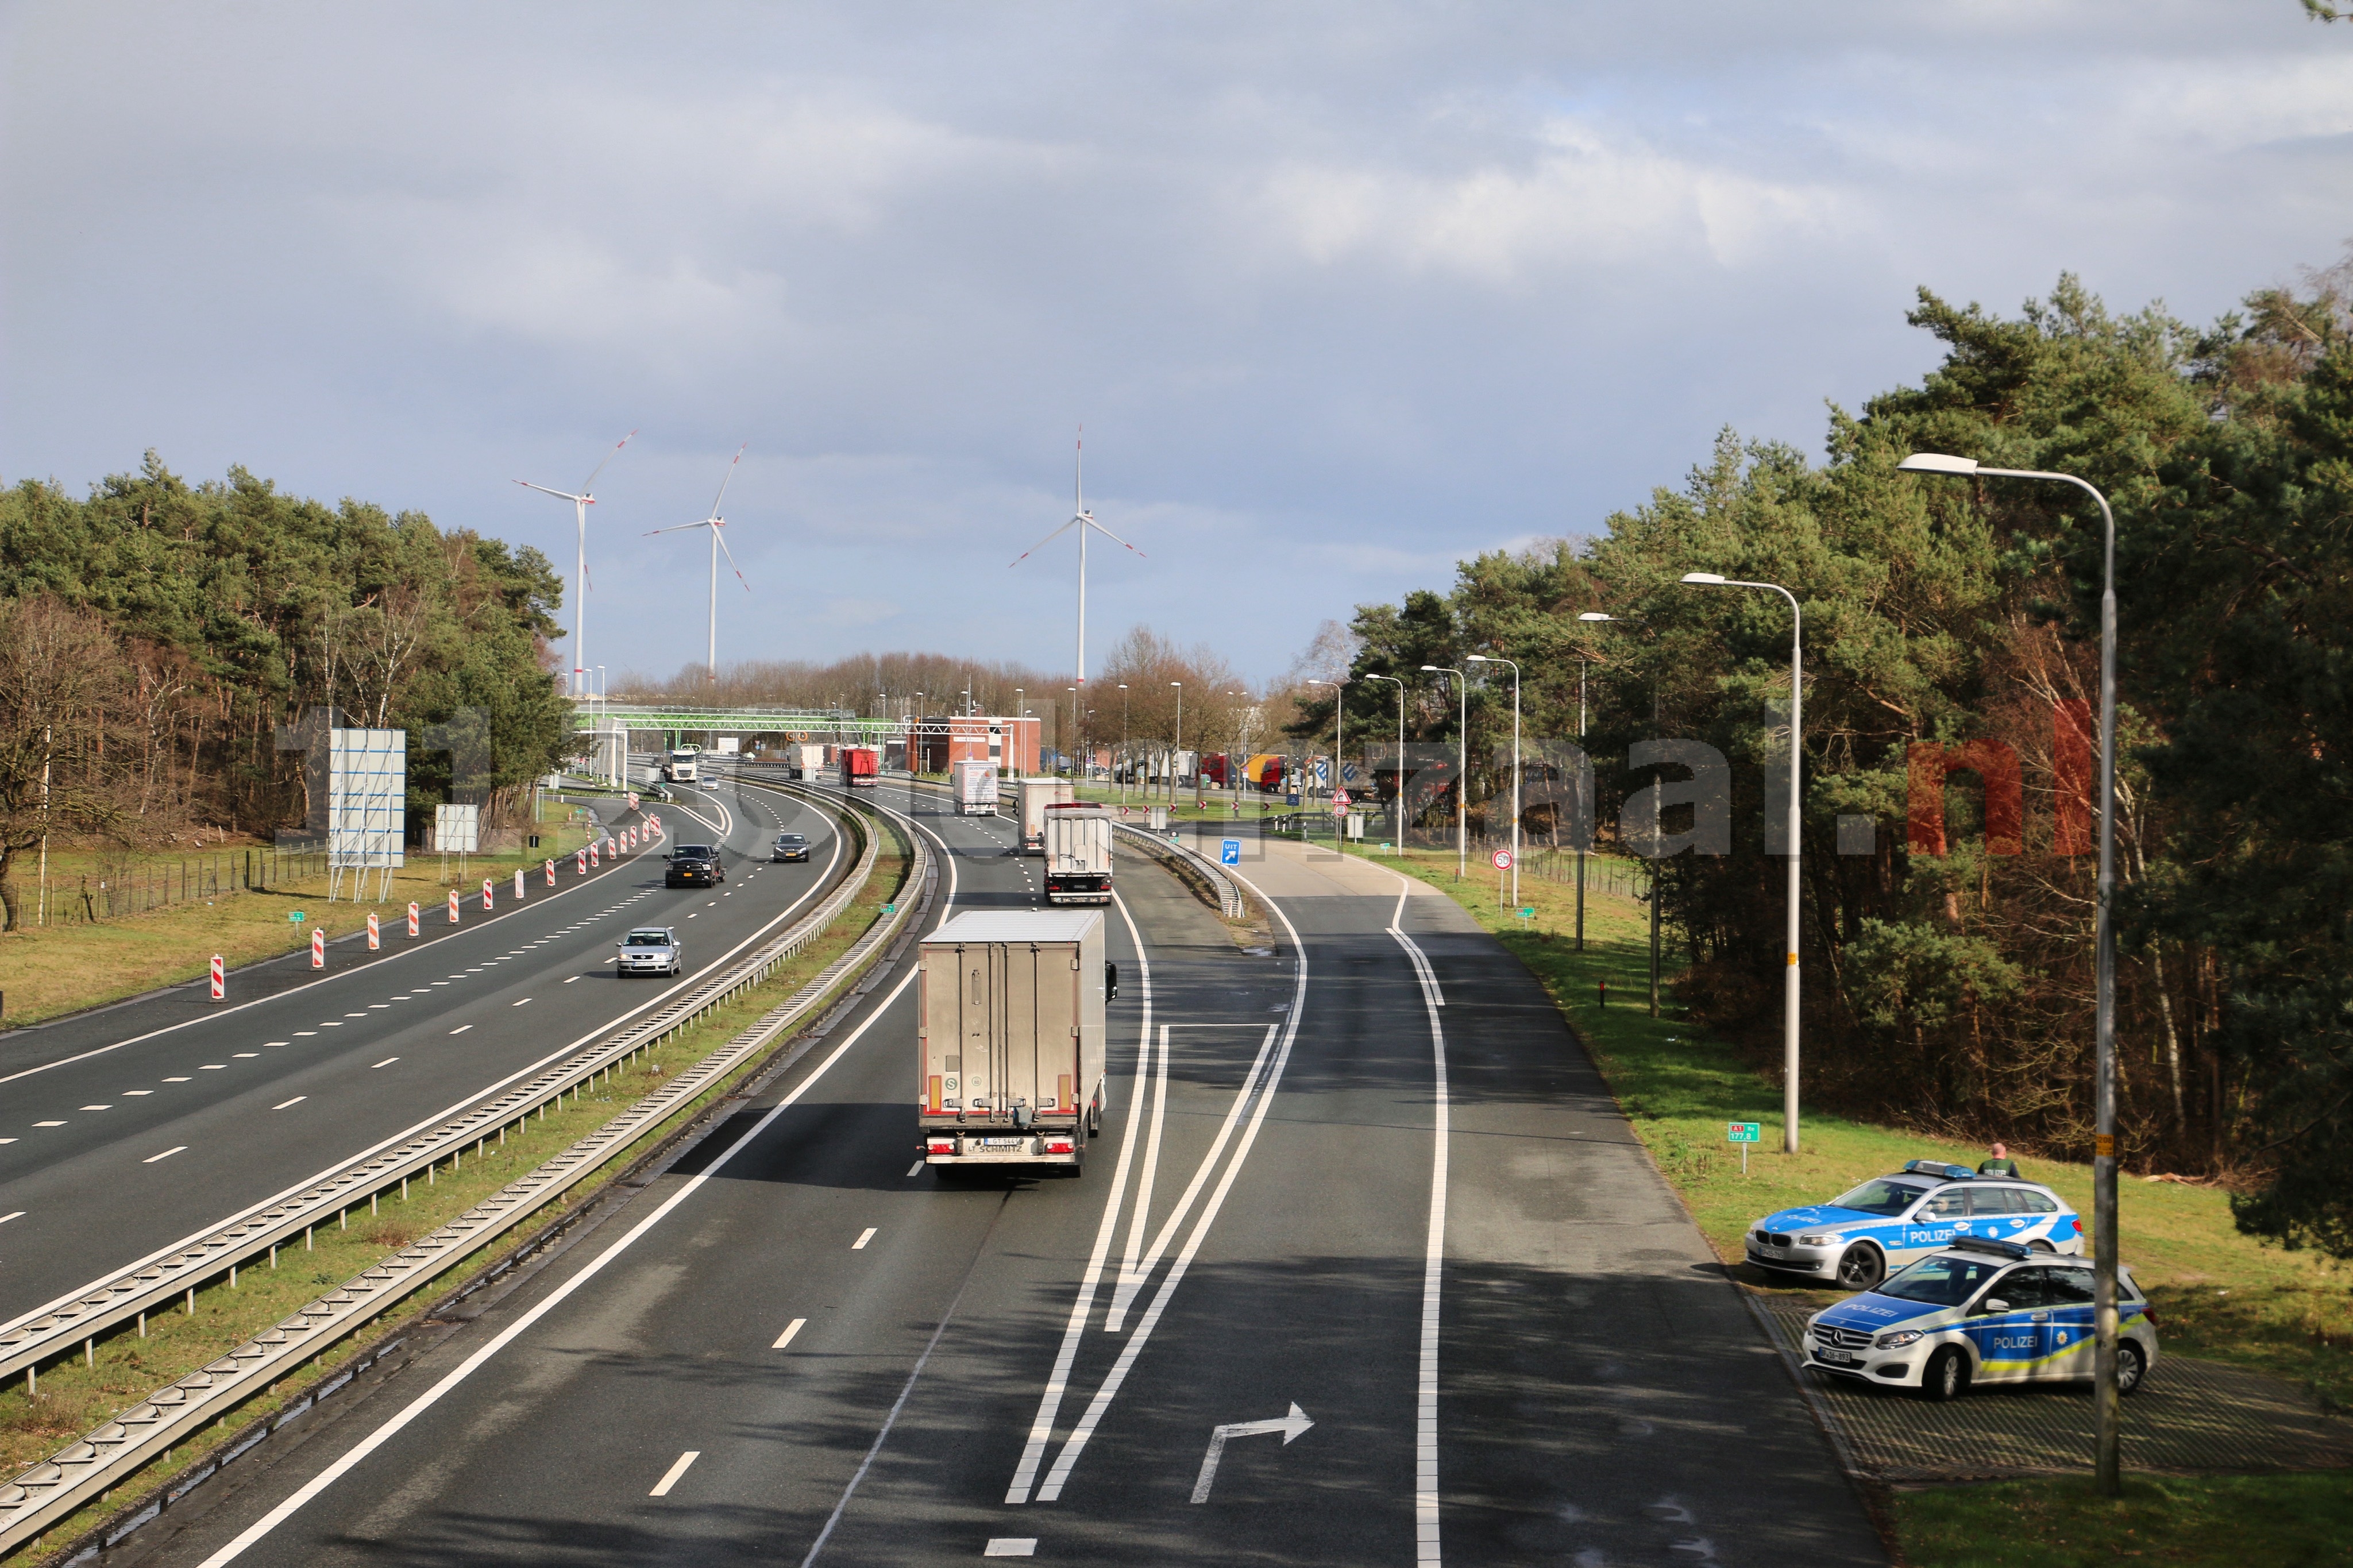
(939, 1146)
(1059, 1146)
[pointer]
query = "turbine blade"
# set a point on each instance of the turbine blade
(1045, 542)
(721, 537)
(1114, 538)
(724, 481)
(599, 468)
(682, 528)
(561, 495)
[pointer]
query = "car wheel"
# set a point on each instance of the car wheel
(2039, 1245)
(1861, 1266)
(1947, 1376)
(2130, 1366)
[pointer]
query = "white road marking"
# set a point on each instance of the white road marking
(246, 1056)
(331, 1023)
(546, 1304)
(135, 1092)
(569, 980)
(1050, 1403)
(915, 1167)
(860, 1244)
(787, 1337)
(269, 1043)
(389, 1060)
(1076, 1444)
(669, 1479)
(296, 1100)
(176, 1149)
(98, 1108)
(524, 1003)
(48, 1124)
(1011, 1546)
(1290, 1425)
(214, 1066)
(175, 1081)
(304, 1034)
(355, 1014)
(374, 1007)
(461, 1028)
(1130, 1279)
(4, 1218)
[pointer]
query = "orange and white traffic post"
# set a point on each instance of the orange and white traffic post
(375, 937)
(453, 906)
(318, 950)
(486, 892)
(414, 923)
(517, 884)
(551, 873)
(220, 979)
(580, 862)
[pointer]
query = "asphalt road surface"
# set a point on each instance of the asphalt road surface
(126, 1132)
(1366, 1268)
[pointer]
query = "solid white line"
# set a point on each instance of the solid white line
(555, 1297)
(787, 1337)
(1434, 1272)
(670, 1478)
(1130, 1279)
(296, 1100)
(1069, 1457)
(176, 1148)
(859, 1245)
(1058, 1382)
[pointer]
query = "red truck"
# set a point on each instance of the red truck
(859, 766)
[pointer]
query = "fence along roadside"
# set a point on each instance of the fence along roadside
(62, 1328)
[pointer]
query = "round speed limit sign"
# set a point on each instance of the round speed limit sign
(1503, 859)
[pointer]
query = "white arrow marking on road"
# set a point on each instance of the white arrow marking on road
(1290, 1425)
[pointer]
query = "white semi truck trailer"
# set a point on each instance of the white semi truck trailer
(974, 786)
(1078, 854)
(1009, 1037)
(1037, 794)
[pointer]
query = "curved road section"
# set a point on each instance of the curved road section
(1366, 1268)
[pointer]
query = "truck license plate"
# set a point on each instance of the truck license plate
(1000, 1142)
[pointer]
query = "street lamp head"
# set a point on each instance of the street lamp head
(1596, 616)
(1937, 463)
(1702, 577)
(1435, 669)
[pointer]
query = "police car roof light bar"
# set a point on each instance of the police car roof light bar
(1987, 1244)
(1938, 1168)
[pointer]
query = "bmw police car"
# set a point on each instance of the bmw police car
(1857, 1240)
(1980, 1312)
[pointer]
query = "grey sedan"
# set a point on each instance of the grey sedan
(652, 949)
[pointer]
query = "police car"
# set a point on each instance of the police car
(1856, 1239)
(1982, 1311)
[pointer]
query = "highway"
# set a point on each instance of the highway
(127, 1132)
(1362, 1225)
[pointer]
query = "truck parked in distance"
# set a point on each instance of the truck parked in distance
(861, 767)
(973, 786)
(1078, 854)
(1009, 1037)
(1037, 794)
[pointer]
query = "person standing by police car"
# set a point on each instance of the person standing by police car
(2001, 1164)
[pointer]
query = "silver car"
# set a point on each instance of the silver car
(652, 949)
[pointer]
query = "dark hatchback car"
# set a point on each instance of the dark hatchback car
(693, 866)
(789, 846)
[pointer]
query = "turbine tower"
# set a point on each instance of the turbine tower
(1083, 519)
(715, 523)
(580, 505)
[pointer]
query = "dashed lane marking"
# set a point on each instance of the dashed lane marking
(524, 1003)
(388, 1061)
(296, 1100)
(781, 1340)
(176, 1149)
(669, 1479)
(860, 1243)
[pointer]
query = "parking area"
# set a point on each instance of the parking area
(2191, 1416)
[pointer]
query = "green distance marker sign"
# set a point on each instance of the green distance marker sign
(1744, 1133)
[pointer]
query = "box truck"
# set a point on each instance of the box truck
(860, 767)
(974, 787)
(1037, 794)
(679, 766)
(1009, 1037)
(805, 760)
(1078, 854)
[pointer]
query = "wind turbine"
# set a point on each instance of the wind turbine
(1083, 519)
(580, 505)
(715, 523)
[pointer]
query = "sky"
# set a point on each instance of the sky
(1340, 293)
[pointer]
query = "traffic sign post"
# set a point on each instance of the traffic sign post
(1744, 1133)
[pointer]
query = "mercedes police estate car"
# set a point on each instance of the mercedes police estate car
(650, 949)
(1857, 1240)
(1982, 1311)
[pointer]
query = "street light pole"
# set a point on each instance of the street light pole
(1401, 756)
(1484, 658)
(1462, 769)
(1789, 966)
(1123, 742)
(1339, 697)
(1177, 750)
(2107, 1444)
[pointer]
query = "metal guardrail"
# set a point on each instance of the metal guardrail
(1230, 897)
(62, 1327)
(40, 1495)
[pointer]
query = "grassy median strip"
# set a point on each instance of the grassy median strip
(124, 1368)
(47, 971)
(2220, 1294)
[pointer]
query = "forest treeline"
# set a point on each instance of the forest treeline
(155, 634)
(1953, 992)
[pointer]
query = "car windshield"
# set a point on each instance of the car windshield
(648, 939)
(1880, 1195)
(694, 852)
(793, 838)
(1942, 1281)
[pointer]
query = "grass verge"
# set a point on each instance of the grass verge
(47, 971)
(2220, 1294)
(124, 1368)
